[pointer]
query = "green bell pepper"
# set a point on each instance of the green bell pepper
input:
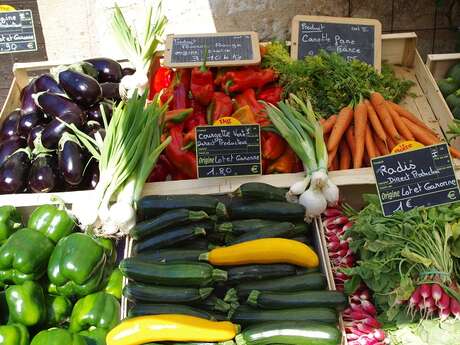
(14, 334)
(95, 336)
(115, 284)
(53, 222)
(58, 336)
(58, 309)
(26, 303)
(10, 221)
(77, 265)
(100, 310)
(24, 256)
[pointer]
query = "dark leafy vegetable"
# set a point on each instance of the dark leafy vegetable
(10, 125)
(83, 89)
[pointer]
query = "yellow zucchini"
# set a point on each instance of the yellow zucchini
(170, 327)
(263, 251)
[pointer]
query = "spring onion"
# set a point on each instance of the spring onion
(297, 123)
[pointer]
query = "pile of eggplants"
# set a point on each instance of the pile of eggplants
(38, 152)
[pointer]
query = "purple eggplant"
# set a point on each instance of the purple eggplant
(57, 105)
(28, 105)
(46, 82)
(128, 71)
(29, 121)
(82, 88)
(111, 91)
(9, 127)
(9, 146)
(94, 113)
(33, 134)
(13, 172)
(71, 160)
(54, 130)
(108, 70)
(42, 175)
(91, 174)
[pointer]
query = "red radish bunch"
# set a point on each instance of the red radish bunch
(361, 325)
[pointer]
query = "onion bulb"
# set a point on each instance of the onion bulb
(314, 202)
(297, 188)
(331, 193)
(123, 215)
(319, 179)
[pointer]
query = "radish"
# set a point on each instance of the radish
(368, 307)
(365, 295)
(425, 291)
(444, 313)
(379, 334)
(455, 307)
(414, 301)
(340, 220)
(436, 292)
(347, 226)
(332, 212)
(444, 301)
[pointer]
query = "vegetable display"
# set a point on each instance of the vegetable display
(450, 87)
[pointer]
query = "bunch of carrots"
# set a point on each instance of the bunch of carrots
(371, 128)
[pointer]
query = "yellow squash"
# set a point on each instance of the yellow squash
(170, 327)
(264, 251)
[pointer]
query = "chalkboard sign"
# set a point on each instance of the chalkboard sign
(17, 32)
(228, 150)
(423, 177)
(353, 38)
(223, 49)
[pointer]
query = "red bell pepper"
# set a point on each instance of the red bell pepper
(202, 84)
(273, 146)
(247, 78)
(221, 106)
(198, 118)
(183, 162)
(271, 94)
(248, 97)
(161, 171)
(178, 115)
(285, 164)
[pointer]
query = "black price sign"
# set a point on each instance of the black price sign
(423, 177)
(353, 38)
(228, 150)
(17, 32)
(220, 49)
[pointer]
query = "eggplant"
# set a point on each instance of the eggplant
(29, 121)
(9, 146)
(94, 113)
(91, 174)
(33, 134)
(111, 91)
(82, 88)
(28, 105)
(54, 130)
(9, 127)
(42, 175)
(13, 172)
(128, 71)
(57, 105)
(46, 82)
(71, 160)
(109, 71)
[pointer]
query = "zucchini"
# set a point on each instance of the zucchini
(228, 342)
(260, 191)
(195, 244)
(172, 273)
(171, 255)
(168, 219)
(301, 229)
(289, 333)
(281, 230)
(281, 300)
(246, 315)
(213, 303)
(275, 210)
(245, 225)
(259, 272)
(141, 309)
(309, 281)
(154, 205)
(169, 238)
(303, 239)
(164, 294)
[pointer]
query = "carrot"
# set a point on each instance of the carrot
(391, 144)
(328, 124)
(400, 125)
(378, 102)
(370, 145)
(335, 163)
(374, 120)
(342, 123)
(331, 156)
(408, 115)
(344, 156)
(421, 134)
(350, 138)
(366, 160)
(360, 117)
(383, 149)
(454, 152)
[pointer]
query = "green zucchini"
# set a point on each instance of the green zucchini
(164, 294)
(171, 255)
(260, 191)
(289, 333)
(258, 272)
(301, 229)
(168, 219)
(246, 225)
(228, 342)
(275, 210)
(169, 238)
(310, 281)
(154, 205)
(246, 315)
(213, 303)
(281, 300)
(280, 230)
(194, 244)
(141, 309)
(303, 239)
(172, 273)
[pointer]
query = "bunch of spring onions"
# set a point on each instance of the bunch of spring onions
(139, 48)
(297, 123)
(126, 157)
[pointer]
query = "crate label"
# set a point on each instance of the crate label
(228, 150)
(221, 49)
(17, 33)
(422, 177)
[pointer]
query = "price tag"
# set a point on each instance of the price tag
(421, 177)
(228, 150)
(17, 32)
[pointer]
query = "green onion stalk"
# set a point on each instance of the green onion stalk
(299, 126)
